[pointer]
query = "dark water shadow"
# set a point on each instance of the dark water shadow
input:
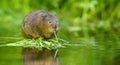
(32, 56)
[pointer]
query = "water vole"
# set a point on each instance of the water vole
(40, 23)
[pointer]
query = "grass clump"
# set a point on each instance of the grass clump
(39, 43)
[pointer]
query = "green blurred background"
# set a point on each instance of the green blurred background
(91, 26)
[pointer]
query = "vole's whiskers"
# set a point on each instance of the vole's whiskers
(55, 36)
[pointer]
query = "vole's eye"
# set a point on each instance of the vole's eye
(49, 22)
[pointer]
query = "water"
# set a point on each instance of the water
(71, 55)
(10, 56)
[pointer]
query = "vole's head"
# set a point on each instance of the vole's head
(50, 25)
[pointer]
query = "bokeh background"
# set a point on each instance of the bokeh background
(91, 27)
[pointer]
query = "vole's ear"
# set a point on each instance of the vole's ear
(54, 14)
(43, 17)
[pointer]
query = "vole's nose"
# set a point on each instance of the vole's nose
(56, 27)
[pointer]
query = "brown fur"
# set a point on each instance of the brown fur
(40, 23)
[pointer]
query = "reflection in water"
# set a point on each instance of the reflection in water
(34, 57)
